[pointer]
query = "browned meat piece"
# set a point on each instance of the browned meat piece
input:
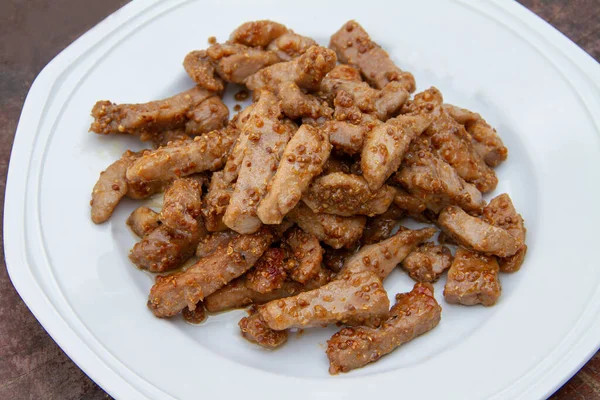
(386, 145)
(427, 262)
(237, 295)
(291, 45)
(169, 136)
(296, 104)
(380, 227)
(217, 200)
(210, 115)
(210, 243)
(306, 255)
(174, 242)
(381, 258)
(143, 220)
(334, 259)
(197, 316)
(414, 314)
(353, 45)
(502, 214)
(353, 298)
(333, 230)
(268, 273)
(155, 116)
(406, 201)
(306, 71)
(383, 103)
(434, 182)
(111, 187)
(255, 330)
(346, 137)
(450, 141)
(485, 139)
(302, 160)
(202, 71)
(205, 152)
(344, 72)
(347, 195)
(171, 293)
(236, 62)
(472, 279)
(476, 234)
(266, 139)
(257, 33)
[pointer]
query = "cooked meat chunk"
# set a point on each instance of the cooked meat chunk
(434, 182)
(346, 137)
(353, 45)
(485, 139)
(236, 62)
(472, 279)
(381, 258)
(169, 136)
(476, 234)
(333, 230)
(502, 214)
(255, 330)
(171, 244)
(197, 316)
(171, 293)
(406, 201)
(267, 137)
(143, 220)
(380, 227)
(306, 255)
(210, 243)
(383, 103)
(297, 104)
(202, 71)
(210, 115)
(217, 200)
(291, 45)
(353, 298)
(386, 145)
(306, 71)
(205, 152)
(236, 294)
(450, 141)
(268, 273)
(427, 262)
(344, 72)
(302, 160)
(414, 314)
(347, 195)
(111, 187)
(155, 116)
(257, 33)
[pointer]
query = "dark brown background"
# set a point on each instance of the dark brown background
(32, 32)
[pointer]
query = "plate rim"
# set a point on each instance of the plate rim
(53, 322)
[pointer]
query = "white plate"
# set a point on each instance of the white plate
(533, 84)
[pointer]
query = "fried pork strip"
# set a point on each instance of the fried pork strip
(353, 298)
(210, 115)
(255, 330)
(200, 68)
(307, 71)
(290, 45)
(257, 33)
(171, 293)
(502, 214)
(386, 145)
(268, 273)
(414, 314)
(170, 113)
(210, 243)
(353, 45)
(306, 255)
(302, 160)
(380, 227)
(347, 195)
(297, 104)
(143, 220)
(236, 62)
(476, 234)
(174, 241)
(267, 137)
(333, 230)
(472, 279)
(427, 262)
(381, 258)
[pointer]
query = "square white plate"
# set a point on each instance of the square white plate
(538, 88)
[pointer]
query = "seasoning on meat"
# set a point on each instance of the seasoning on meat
(427, 262)
(143, 220)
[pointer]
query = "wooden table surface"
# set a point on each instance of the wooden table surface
(32, 32)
